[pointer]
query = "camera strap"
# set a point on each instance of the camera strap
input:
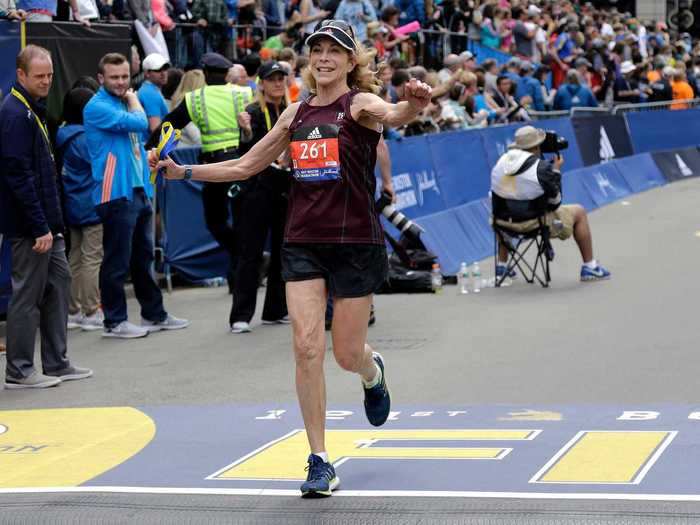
(531, 160)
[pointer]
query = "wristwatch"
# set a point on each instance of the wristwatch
(188, 173)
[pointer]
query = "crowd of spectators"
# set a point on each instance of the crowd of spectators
(565, 53)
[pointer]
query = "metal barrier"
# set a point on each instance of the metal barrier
(563, 113)
(588, 112)
(656, 106)
(547, 115)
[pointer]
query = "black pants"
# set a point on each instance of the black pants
(260, 210)
(217, 205)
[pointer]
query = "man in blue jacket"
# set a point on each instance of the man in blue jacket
(114, 124)
(529, 86)
(573, 94)
(30, 217)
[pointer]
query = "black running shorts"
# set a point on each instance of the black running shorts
(350, 270)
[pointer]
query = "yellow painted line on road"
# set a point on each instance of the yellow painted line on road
(66, 447)
(606, 457)
(283, 458)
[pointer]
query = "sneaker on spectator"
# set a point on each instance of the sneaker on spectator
(71, 373)
(321, 480)
(125, 330)
(501, 271)
(594, 274)
(75, 320)
(377, 398)
(93, 322)
(169, 323)
(240, 327)
(36, 380)
(283, 320)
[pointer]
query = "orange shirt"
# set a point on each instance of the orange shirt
(653, 76)
(294, 91)
(681, 91)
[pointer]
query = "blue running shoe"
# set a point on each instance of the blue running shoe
(594, 274)
(377, 398)
(501, 270)
(321, 480)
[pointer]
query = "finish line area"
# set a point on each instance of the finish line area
(575, 404)
(604, 452)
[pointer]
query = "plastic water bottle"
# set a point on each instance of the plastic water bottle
(476, 278)
(463, 279)
(436, 279)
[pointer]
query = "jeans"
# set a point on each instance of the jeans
(128, 246)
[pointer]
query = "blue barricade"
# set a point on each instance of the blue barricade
(463, 233)
(188, 245)
(640, 172)
(417, 190)
(660, 130)
(437, 172)
(461, 166)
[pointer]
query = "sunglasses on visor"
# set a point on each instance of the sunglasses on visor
(337, 24)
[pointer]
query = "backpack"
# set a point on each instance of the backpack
(409, 267)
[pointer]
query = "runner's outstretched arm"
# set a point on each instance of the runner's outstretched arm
(265, 152)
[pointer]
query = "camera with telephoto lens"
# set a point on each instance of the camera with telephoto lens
(553, 143)
(395, 217)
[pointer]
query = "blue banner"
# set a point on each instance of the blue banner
(462, 170)
(10, 45)
(417, 189)
(485, 53)
(660, 130)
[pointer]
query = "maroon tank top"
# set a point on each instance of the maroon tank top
(332, 191)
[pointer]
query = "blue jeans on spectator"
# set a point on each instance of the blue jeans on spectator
(128, 246)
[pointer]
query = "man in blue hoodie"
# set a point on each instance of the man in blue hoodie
(573, 94)
(30, 217)
(114, 123)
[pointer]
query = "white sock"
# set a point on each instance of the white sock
(592, 264)
(502, 263)
(323, 455)
(376, 380)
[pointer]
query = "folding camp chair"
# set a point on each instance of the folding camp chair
(519, 245)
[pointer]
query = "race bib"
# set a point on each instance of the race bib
(315, 153)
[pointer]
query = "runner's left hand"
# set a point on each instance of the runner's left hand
(418, 94)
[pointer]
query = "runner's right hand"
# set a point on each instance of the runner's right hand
(171, 170)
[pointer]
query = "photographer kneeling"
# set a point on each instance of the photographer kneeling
(525, 185)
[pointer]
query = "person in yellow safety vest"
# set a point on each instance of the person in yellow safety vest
(218, 110)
